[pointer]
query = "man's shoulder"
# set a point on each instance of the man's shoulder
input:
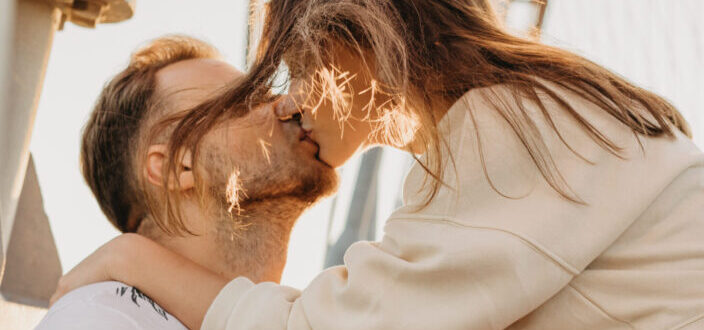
(108, 305)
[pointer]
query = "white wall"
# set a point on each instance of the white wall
(656, 44)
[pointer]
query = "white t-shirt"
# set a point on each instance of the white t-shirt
(107, 305)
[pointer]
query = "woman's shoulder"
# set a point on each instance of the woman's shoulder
(489, 133)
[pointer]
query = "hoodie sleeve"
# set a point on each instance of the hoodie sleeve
(424, 274)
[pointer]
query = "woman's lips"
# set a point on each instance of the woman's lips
(309, 143)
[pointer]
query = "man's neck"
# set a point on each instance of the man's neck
(252, 244)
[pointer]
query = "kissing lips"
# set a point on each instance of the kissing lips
(308, 143)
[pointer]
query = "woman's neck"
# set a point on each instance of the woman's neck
(416, 143)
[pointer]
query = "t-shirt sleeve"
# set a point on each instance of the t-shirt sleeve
(85, 315)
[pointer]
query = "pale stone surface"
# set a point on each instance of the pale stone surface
(32, 266)
(29, 264)
(15, 316)
(35, 24)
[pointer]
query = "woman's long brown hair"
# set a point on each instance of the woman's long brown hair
(429, 52)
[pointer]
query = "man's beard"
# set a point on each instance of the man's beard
(255, 229)
(235, 185)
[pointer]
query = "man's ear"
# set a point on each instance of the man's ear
(157, 155)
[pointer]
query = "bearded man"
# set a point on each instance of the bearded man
(257, 175)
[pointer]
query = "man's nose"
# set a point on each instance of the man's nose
(285, 108)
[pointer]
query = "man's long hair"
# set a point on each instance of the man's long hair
(116, 132)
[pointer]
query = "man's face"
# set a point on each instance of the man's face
(250, 158)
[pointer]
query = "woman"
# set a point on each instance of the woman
(549, 193)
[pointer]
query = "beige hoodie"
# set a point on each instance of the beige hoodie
(632, 258)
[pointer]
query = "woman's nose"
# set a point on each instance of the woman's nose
(306, 121)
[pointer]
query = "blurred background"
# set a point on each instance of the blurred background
(657, 44)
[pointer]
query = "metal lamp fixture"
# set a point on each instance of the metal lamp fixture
(89, 13)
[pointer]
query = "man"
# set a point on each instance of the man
(258, 173)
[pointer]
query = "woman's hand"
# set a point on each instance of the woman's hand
(99, 266)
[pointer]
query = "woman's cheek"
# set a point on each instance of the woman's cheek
(336, 146)
(337, 151)
(330, 148)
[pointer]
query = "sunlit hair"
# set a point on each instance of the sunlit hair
(424, 54)
(116, 133)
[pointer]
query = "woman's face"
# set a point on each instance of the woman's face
(339, 135)
(338, 139)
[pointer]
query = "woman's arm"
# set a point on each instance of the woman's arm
(179, 285)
